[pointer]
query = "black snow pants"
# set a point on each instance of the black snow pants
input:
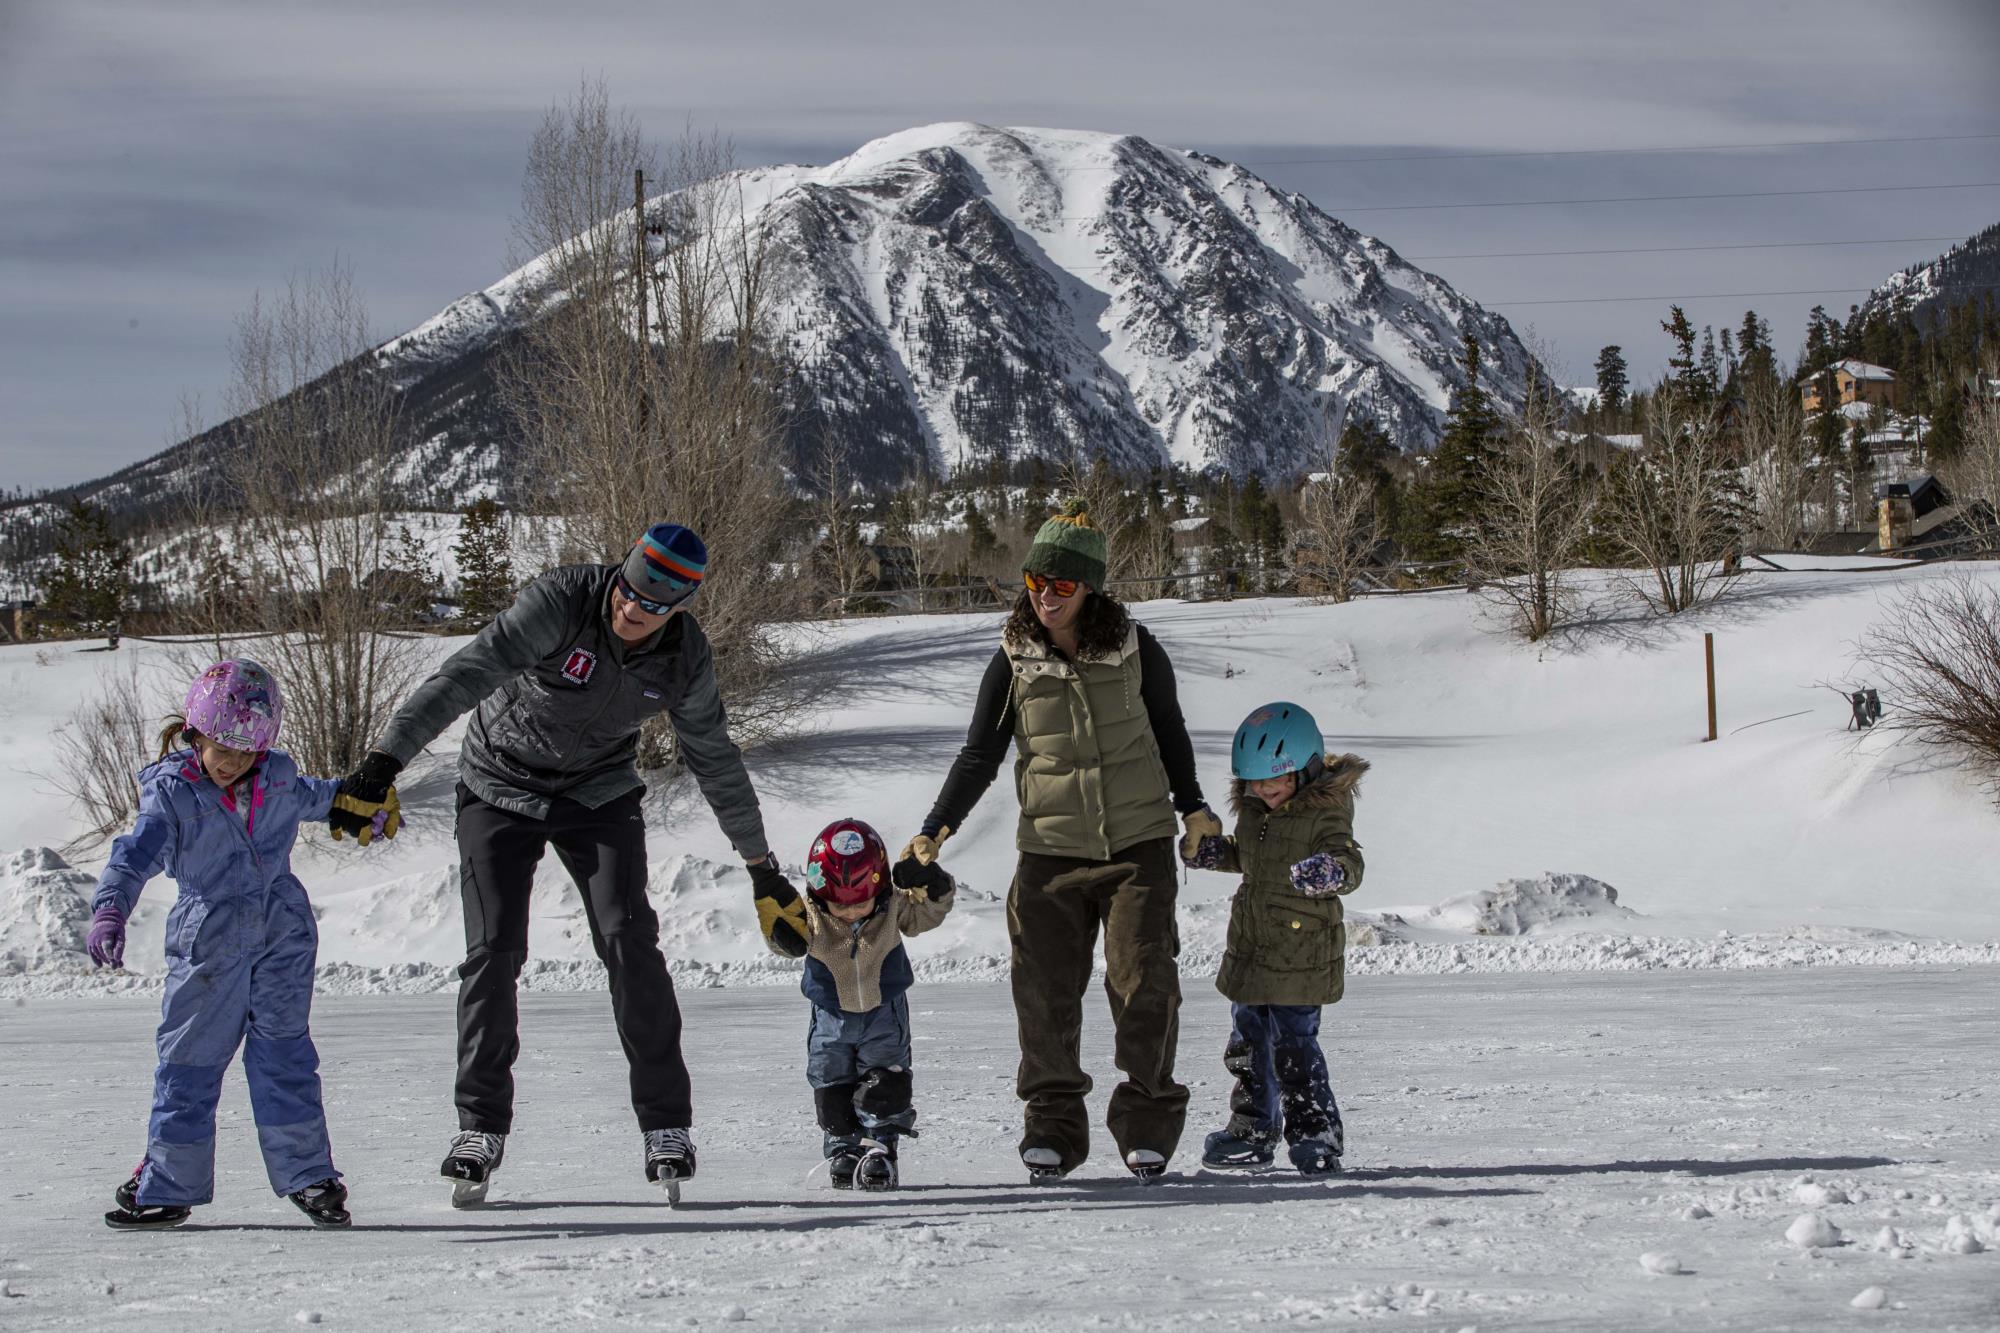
(604, 851)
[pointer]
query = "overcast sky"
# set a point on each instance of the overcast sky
(162, 160)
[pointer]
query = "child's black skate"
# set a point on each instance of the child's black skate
(1146, 1164)
(1316, 1157)
(1044, 1165)
(325, 1203)
(131, 1215)
(1228, 1150)
(669, 1160)
(475, 1155)
(841, 1164)
(877, 1168)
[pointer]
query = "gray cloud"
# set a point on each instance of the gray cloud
(163, 162)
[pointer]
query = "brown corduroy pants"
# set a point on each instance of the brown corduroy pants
(1055, 908)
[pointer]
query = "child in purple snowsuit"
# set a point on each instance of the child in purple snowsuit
(220, 815)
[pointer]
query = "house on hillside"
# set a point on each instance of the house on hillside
(1853, 382)
(1919, 519)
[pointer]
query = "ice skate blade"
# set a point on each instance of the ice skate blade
(1239, 1168)
(118, 1223)
(670, 1186)
(469, 1193)
(1045, 1175)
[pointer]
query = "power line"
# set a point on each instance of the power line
(1687, 249)
(1653, 198)
(1607, 152)
(1717, 296)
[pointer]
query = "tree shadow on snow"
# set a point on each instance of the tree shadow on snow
(1664, 1166)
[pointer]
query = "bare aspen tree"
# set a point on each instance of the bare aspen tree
(1775, 451)
(306, 486)
(1973, 474)
(1536, 507)
(1675, 505)
(685, 426)
(841, 557)
(1338, 527)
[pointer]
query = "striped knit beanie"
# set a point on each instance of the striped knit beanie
(666, 563)
(1069, 546)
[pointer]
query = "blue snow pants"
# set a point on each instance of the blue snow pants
(859, 1069)
(1281, 1078)
(239, 971)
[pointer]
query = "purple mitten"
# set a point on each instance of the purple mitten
(1318, 875)
(106, 941)
(1207, 854)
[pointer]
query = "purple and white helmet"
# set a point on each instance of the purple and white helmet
(236, 703)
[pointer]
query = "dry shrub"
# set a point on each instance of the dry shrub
(108, 738)
(1938, 656)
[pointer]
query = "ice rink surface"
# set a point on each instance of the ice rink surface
(1525, 1151)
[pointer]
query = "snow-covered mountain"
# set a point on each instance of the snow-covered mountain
(960, 293)
(1961, 273)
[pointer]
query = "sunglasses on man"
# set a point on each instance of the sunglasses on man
(650, 607)
(1060, 587)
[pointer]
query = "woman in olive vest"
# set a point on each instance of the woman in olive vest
(1103, 761)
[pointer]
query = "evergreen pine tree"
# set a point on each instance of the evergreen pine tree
(1611, 381)
(93, 567)
(979, 533)
(1449, 504)
(484, 553)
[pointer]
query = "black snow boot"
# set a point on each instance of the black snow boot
(131, 1215)
(325, 1203)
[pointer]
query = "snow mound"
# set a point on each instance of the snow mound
(44, 911)
(1525, 906)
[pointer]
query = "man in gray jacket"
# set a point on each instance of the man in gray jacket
(563, 680)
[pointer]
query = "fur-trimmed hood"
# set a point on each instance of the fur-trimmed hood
(1340, 779)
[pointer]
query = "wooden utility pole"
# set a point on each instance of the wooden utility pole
(1708, 649)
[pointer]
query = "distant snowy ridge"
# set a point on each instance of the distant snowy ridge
(959, 293)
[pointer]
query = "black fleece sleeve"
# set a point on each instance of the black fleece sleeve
(986, 744)
(1163, 711)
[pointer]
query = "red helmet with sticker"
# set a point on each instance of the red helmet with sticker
(848, 864)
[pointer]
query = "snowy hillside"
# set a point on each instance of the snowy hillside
(960, 293)
(1960, 274)
(1549, 808)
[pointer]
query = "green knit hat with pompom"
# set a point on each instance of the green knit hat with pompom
(1069, 546)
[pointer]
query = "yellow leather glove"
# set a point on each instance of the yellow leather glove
(1199, 824)
(924, 847)
(781, 913)
(384, 817)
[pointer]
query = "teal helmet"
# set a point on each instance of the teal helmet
(1274, 740)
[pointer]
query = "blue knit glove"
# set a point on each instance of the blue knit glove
(1318, 875)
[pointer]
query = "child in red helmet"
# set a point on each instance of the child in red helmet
(857, 977)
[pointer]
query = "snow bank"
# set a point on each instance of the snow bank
(1524, 906)
(44, 911)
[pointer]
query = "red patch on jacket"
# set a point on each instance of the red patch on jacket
(579, 666)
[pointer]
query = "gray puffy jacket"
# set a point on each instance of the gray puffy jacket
(561, 698)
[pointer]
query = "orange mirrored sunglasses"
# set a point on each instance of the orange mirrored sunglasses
(1060, 587)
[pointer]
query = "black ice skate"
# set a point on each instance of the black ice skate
(1146, 1164)
(325, 1203)
(475, 1155)
(1243, 1148)
(877, 1168)
(841, 1164)
(131, 1215)
(1044, 1165)
(669, 1160)
(1316, 1157)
